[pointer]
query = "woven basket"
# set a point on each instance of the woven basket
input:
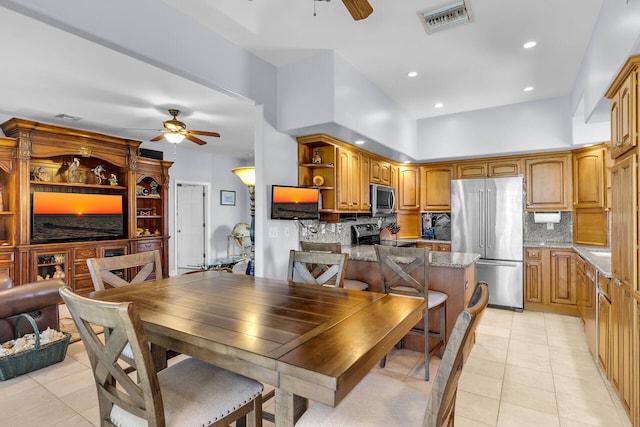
(31, 360)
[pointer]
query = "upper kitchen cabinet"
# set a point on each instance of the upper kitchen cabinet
(548, 182)
(408, 188)
(489, 168)
(380, 172)
(349, 176)
(624, 95)
(589, 181)
(435, 189)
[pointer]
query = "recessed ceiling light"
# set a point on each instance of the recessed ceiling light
(528, 88)
(68, 117)
(412, 73)
(359, 142)
(439, 105)
(529, 45)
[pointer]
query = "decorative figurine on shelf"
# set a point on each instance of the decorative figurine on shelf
(157, 232)
(154, 188)
(71, 170)
(97, 171)
(39, 174)
(146, 232)
(316, 157)
(113, 179)
(58, 274)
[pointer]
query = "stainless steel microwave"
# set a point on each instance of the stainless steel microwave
(383, 200)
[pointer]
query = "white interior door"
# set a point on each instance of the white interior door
(191, 225)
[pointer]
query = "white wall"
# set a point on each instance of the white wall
(193, 165)
(518, 128)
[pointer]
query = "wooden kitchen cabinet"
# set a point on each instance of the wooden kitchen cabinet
(563, 273)
(550, 281)
(349, 180)
(586, 291)
(380, 172)
(589, 180)
(437, 247)
(409, 222)
(435, 190)
(604, 325)
(533, 276)
(548, 182)
(624, 207)
(408, 197)
(490, 168)
(622, 358)
(624, 95)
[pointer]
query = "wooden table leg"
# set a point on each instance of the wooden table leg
(289, 408)
(159, 356)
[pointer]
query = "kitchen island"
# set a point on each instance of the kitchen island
(453, 273)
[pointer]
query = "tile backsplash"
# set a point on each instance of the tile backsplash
(538, 232)
(316, 231)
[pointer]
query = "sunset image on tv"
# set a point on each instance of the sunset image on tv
(75, 216)
(294, 203)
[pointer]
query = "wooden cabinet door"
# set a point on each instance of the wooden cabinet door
(622, 304)
(604, 333)
(365, 192)
(380, 172)
(409, 222)
(533, 281)
(348, 177)
(563, 273)
(503, 168)
(624, 202)
(623, 111)
(589, 179)
(408, 188)
(471, 170)
(548, 182)
(436, 188)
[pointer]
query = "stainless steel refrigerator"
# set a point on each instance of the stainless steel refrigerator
(487, 218)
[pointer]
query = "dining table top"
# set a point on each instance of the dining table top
(310, 342)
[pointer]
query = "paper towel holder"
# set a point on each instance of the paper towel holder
(546, 217)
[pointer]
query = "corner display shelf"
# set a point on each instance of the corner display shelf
(37, 157)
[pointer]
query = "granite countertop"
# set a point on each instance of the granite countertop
(436, 259)
(601, 262)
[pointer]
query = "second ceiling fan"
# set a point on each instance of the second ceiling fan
(175, 131)
(359, 9)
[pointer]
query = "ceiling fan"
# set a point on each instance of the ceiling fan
(359, 9)
(175, 131)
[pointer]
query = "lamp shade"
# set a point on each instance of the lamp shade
(174, 137)
(247, 174)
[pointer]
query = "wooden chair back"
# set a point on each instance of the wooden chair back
(142, 398)
(404, 271)
(144, 266)
(332, 248)
(441, 403)
(317, 268)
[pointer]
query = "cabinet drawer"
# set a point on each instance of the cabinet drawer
(533, 253)
(85, 253)
(6, 256)
(81, 284)
(148, 246)
(80, 268)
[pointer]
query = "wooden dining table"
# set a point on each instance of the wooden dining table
(308, 342)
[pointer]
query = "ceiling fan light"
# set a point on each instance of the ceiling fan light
(174, 137)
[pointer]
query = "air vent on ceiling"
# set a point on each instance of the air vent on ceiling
(68, 117)
(444, 17)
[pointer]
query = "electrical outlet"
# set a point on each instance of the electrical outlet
(549, 226)
(286, 232)
(273, 232)
(323, 228)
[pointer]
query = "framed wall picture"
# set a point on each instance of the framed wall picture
(227, 198)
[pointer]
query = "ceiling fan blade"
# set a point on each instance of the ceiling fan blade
(194, 139)
(157, 138)
(201, 132)
(359, 9)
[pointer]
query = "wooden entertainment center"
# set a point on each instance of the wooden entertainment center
(43, 158)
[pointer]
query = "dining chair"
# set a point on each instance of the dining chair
(405, 271)
(190, 392)
(111, 270)
(383, 401)
(334, 248)
(317, 268)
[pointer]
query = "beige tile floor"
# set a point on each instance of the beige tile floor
(526, 369)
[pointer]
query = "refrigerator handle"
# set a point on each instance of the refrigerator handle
(490, 220)
(481, 229)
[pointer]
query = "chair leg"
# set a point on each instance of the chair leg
(427, 353)
(382, 361)
(443, 329)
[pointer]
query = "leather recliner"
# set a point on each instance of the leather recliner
(39, 299)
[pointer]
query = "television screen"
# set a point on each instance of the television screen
(66, 217)
(294, 202)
